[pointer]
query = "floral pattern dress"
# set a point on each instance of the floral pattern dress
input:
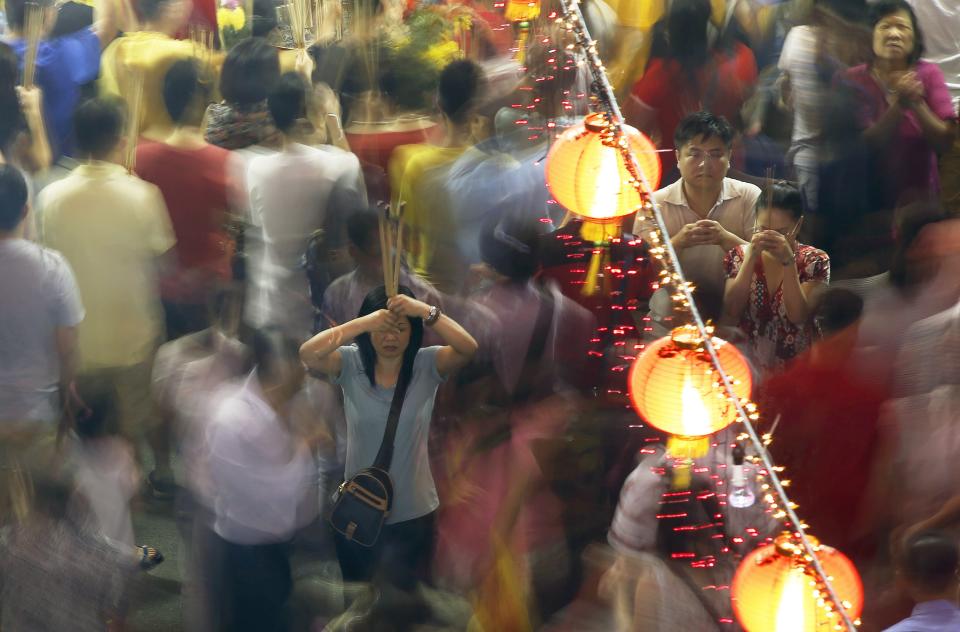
(236, 127)
(773, 338)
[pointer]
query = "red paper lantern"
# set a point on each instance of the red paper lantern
(674, 386)
(586, 172)
(775, 590)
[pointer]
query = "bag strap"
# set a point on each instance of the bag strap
(385, 453)
(538, 343)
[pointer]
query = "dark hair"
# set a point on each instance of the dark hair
(458, 93)
(264, 17)
(98, 124)
(837, 308)
(225, 304)
(902, 273)
(376, 300)
(930, 561)
(686, 33)
(250, 72)
(272, 350)
(784, 196)
(12, 121)
(13, 197)
(288, 101)
(100, 407)
(16, 11)
(709, 302)
(703, 124)
(182, 88)
(150, 9)
(883, 8)
(511, 245)
(361, 226)
(850, 10)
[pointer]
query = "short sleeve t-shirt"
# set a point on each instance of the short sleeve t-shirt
(151, 55)
(416, 172)
(194, 187)
(64, 64)
(366, 408)
(111, 227)
(40, 294)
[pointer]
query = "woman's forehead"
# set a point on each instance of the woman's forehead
(900, 17)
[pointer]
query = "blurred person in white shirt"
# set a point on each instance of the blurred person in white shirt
(291, 194)
(264, 481)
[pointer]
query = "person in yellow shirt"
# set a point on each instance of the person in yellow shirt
(634, 35)
(412, 170)
(150, 52)
(113, 228)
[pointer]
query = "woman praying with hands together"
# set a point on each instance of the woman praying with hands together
(771, 281)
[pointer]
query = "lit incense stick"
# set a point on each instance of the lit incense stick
(399, 246)
(133, 123)
(384, 256)
(33, 24)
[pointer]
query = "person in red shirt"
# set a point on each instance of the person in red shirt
(192, 175)
(688, 75)
(828, 437)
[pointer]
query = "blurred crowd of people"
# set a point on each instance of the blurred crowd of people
(203, 308)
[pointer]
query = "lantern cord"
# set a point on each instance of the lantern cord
(605, 94)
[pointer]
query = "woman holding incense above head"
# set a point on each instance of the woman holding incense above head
(772, 280)
(369, 357)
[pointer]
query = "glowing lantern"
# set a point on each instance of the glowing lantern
(774, 589)
(586, 172)
(674, 387)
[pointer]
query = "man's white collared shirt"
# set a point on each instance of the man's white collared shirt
(735, 210)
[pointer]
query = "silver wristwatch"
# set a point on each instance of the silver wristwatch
(432, 316)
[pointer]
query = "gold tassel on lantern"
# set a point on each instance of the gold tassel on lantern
(688, 447)
(600, 235)
(522, 13)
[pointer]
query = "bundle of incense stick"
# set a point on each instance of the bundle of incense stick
(363, 22)
(391, 247)
(133, 122)
(202, 40)
(338, 23)
(769, 185)
(318, 9)
(299, 12)
(33, 28)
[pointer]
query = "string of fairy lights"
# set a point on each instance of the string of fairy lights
(682, 295)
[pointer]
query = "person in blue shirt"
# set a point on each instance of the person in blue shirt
(927, 571)
(64, 64)
(387, 355)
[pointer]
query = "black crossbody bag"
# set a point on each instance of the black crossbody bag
(363, 502)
